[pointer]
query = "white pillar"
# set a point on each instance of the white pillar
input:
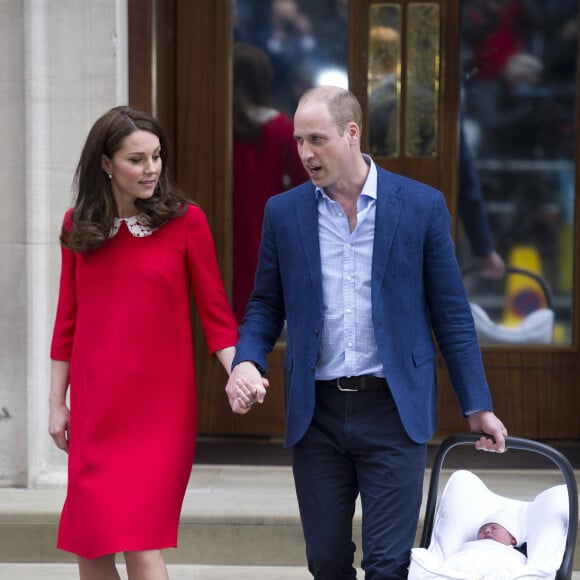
(75, 69)
(13, 413)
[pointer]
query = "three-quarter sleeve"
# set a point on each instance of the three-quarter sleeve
(211, 301)
(66, 312)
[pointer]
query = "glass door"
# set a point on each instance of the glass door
(516, 194)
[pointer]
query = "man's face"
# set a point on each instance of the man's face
(325, 153)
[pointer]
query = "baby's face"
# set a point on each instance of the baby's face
(493, 531)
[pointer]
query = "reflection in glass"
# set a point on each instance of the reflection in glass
(384, 80)
(282, 48)
(516, 196)
(306, 43)
(422, 80)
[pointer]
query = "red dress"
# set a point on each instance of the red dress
(123, 322)
(260, 170)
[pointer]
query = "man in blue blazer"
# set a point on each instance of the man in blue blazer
(360, 264)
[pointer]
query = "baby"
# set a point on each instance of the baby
(496, 532)
(491, 555)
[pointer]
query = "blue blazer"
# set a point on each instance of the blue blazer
(417, 292)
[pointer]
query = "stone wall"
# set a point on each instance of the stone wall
(62, 64)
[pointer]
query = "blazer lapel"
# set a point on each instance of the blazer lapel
(306, 209)
(389, 205)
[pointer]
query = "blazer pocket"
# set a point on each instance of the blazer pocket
(424, 353)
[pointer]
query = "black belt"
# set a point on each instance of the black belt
(362, 383)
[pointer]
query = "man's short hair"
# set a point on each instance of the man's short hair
(343, 106)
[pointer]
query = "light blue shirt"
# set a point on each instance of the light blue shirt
(347, 343)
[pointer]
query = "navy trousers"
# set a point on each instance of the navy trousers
(357, 444)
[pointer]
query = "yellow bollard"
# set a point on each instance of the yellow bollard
(523, 294)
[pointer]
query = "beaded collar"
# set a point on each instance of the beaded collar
(135, 227)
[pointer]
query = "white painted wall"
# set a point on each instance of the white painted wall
(62, 64)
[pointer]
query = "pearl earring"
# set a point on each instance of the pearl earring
(110, 175)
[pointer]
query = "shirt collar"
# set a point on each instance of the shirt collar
(370, 186)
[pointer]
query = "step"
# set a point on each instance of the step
(232, 516)
(176, 572)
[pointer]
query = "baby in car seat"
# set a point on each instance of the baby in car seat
(491, 555)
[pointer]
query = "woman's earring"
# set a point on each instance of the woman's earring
(110, 175)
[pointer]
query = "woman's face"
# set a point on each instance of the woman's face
(134, 170)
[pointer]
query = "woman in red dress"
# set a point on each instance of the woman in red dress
(265, 162)
(133, 251)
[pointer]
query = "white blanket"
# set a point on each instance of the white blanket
(476, 560)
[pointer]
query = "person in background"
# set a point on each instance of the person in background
(472, 212)
(133, 250)
(384, 113)
(331, 33)
(289, 41)
(265, 162)
(360, 264)
(384, 107)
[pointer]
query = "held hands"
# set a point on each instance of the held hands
(245, 387)
(487, 422)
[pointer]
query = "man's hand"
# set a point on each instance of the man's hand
(492, 266)
(487, 422)
(245, 387)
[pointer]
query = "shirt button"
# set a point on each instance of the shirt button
(349, 344)
(348, 278)
(348, 310)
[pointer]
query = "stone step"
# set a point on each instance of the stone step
(176, 572)
(232, 516)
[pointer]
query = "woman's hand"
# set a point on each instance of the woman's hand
(58, 425)
(59, 414)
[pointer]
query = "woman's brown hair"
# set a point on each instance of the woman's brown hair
(94, 208)
(252, 74)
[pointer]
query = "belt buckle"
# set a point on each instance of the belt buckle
(344, 389)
